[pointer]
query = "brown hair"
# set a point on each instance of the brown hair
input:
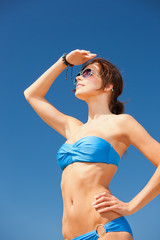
(109, 74)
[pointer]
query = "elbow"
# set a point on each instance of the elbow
(26, 95)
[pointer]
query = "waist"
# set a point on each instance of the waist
(79, 184)
(79, 215)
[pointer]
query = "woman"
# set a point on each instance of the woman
(90, 156)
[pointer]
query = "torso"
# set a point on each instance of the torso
(82, 181)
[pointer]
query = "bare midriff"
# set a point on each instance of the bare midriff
(79, 184)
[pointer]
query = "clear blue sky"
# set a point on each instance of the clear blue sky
(34, 34)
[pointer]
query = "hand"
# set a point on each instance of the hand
(78, 57)
(107, 202)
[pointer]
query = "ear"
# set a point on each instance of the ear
(109, 87)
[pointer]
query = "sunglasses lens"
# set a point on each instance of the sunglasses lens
(87, 73)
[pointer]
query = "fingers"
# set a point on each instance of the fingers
(102, 199)
(108, 209)
(78, 57)
(102, 194)
(109, 203)
(87, 53)
(106, 206)
(82, 51)
(91, 55)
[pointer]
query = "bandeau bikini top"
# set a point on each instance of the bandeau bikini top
(87, 149)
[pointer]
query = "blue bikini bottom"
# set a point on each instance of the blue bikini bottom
(117, 225)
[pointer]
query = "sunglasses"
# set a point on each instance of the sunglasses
(86, 73)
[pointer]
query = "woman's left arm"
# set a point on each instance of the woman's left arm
(140, 138)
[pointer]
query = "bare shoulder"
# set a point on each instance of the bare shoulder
(138, 136)
(125, 119)
(131, 129)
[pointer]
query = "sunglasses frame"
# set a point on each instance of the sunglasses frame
(81, 74)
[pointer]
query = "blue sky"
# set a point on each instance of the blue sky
(34, 34)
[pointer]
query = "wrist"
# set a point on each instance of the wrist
(66, 64)
(61, 64)
(60, 60)
(65, 61)
(131, 208)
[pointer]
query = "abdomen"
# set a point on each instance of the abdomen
(80, 183)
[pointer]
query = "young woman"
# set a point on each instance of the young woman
(90, 156)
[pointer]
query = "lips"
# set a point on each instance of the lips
(79, 85)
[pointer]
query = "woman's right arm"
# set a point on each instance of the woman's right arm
(35, 95)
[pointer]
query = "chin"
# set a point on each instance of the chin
(79, 95)
(83, 95)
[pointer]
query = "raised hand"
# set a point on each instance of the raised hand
(78, 57)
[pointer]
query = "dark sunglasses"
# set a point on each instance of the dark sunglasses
(86, 73)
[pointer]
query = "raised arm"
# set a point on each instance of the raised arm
(35, 94)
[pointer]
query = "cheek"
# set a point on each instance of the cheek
(94, 82)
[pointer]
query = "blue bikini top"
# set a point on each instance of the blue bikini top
(87, 149)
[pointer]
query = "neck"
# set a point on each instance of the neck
(98, 107)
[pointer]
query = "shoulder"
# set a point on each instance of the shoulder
(126, 122)
(133, 131)
(124, 119)
(123, 116)
(120, 120)
(136, 135)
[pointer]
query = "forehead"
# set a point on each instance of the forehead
(93, 66)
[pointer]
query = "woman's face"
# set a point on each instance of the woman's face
(88, 86)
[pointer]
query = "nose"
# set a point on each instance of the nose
(78, 78)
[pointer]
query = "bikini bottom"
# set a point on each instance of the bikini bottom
(117, 225)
